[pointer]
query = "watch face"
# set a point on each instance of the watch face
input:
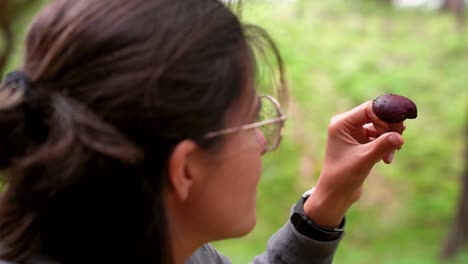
(307, 193)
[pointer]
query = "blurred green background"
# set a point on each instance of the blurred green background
(339, 54)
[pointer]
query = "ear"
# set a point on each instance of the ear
(181, 176)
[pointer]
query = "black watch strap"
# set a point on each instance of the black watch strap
(305, 226)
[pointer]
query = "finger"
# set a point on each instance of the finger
(370, 131)
(361, 115)
(382, 146)
(388, 158)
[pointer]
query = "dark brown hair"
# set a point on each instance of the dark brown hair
(115, 85)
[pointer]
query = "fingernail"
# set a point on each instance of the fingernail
(390, 157)
(394, 140)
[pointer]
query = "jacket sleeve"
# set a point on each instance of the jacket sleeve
(287, 246)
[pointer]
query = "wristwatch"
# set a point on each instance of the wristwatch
(305, 226)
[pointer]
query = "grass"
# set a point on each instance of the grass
(339, 54)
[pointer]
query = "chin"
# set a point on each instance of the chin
(248, 224)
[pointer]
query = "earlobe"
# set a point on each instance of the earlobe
(180, 176)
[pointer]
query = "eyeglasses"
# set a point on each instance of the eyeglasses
(270, 122)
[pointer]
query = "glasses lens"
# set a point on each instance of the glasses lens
(272, 132)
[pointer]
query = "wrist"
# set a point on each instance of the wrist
(325, 208)
(307, 227)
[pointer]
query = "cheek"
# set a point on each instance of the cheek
(226, 199)
(231, 194)
(244, 178)
(238, 180)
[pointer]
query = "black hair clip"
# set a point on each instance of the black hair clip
(19, 80)
(34, 114)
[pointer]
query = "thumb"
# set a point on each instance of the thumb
(384, 145)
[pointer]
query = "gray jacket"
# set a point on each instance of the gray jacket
(286, 246)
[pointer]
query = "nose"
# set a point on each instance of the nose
(262, 140)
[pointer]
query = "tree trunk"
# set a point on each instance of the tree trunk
(458, 8)
(458, 236)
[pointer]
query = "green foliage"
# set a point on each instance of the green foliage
(20, 14)
(339, 55)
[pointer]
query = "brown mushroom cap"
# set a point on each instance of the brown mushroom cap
(393, 108)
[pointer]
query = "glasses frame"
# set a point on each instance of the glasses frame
(281, 119)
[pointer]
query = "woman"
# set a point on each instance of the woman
(133, 133)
